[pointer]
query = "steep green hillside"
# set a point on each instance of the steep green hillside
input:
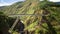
(45, 18)
(12, 9)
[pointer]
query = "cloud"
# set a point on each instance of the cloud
(8, 2)
(4, 4)
(55, 0)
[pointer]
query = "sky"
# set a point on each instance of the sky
(9, 2)
(55, 0)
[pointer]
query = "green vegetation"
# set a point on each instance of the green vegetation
(45, 18)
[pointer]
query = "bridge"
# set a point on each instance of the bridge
(18, 15)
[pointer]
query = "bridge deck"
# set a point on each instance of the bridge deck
(15, 15)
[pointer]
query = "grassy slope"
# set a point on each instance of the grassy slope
(15, 9)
